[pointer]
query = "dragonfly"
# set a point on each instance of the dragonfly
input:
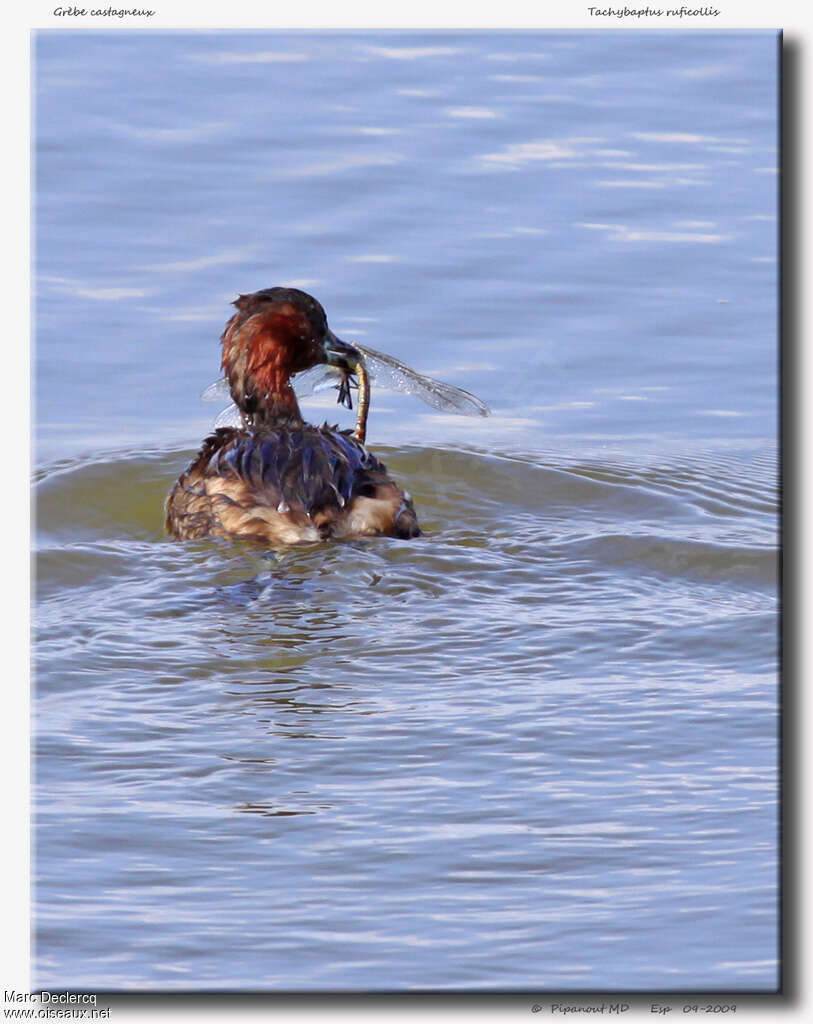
(388, 373)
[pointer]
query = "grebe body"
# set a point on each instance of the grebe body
(275, 478)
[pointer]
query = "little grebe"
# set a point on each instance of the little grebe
(275, 478)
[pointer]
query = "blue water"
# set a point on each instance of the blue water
(536, 749)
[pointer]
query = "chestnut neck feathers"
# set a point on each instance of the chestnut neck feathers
(274, 334)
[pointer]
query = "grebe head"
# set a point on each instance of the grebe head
(274, 334)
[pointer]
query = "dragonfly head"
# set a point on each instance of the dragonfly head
(340, 354)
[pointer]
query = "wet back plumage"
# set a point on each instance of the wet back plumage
(287, 485)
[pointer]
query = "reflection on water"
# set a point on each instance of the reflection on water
(533, 749)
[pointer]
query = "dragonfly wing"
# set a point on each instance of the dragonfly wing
(230, 417)
(216, 392)
(316, 379)
(391, 373)
(387, 371)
